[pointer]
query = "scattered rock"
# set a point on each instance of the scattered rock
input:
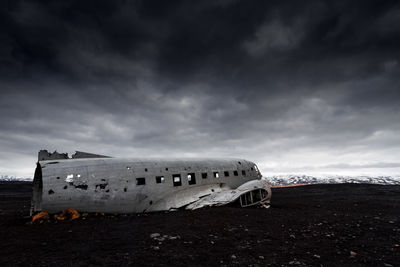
(158, 237)
(353, 254)
(233, 257)
(154, 235)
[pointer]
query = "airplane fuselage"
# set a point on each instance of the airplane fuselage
(134, 185)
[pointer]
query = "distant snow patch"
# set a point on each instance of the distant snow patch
(290, 179)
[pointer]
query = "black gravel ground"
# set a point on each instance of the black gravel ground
(315, 225)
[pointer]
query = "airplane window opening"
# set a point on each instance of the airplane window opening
(204, 175)
(145, 169)
(226, 173)
(245, 199)
(235, 173)
(166, 169)
(243, 172)
(140, 181)
(239, 162)
(256, 195)
(191, 178)
(216, 175)
(263, 194)
(160, 179)
(252, 169)
(177, 179)
(70, 178)
(249, 198)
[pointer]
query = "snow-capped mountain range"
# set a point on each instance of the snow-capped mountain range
(292, 179)
(9, 178)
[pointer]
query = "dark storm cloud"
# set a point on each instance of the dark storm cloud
(282, 83)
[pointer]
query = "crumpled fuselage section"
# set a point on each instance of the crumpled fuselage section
(254, 192)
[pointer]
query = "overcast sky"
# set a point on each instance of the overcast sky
(295, 86)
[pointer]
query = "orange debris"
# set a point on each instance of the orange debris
(68, 214)
(41, 216)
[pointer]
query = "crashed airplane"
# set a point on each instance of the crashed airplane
(96, 183)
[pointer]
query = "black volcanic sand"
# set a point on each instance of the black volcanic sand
(315, 225)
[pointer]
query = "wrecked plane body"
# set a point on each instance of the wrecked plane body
(96, 183)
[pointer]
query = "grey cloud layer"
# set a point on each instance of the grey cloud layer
(284, 84)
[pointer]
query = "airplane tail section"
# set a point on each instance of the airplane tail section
(45, 155)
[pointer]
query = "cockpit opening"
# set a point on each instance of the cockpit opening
(253, 197)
